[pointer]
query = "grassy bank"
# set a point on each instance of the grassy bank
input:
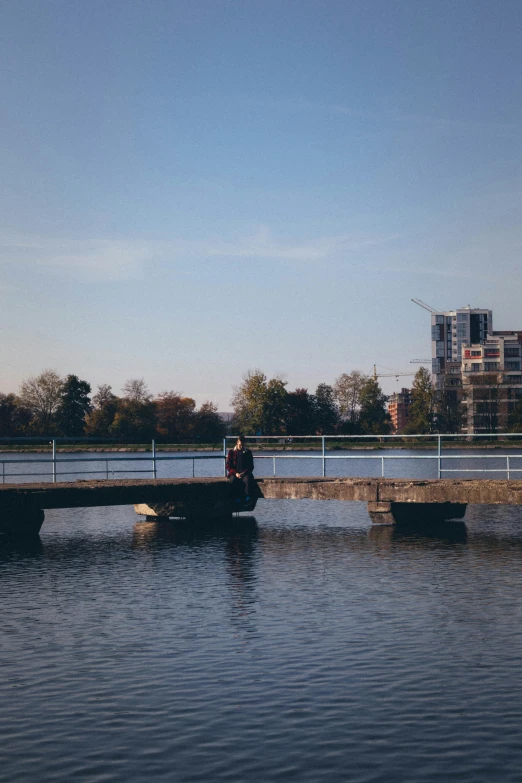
(257, 447)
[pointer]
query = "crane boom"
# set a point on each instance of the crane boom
(376, 374)
(424, 305)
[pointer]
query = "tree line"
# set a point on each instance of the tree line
(48, 405)
(354, 404)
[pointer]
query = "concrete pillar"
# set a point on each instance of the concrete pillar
(390, 513)
(24, 521)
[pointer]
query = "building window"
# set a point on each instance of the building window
(490, 366)
(512, 365)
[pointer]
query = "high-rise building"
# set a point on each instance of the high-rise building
(477, 372)
(452, 330)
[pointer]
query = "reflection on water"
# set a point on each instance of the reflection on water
(302, 644)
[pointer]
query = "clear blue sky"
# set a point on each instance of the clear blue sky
(192, 189)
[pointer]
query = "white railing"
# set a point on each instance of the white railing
(153, 458)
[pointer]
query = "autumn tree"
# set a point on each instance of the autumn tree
(347, 391)
(14, 418)
(134, 422)
(41, 395)
(448, 411)
(175, 416)
(105, 406)
(136, 390)
(484, 398)
(515, 418)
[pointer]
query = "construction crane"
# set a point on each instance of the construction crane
(424, 305)
(397, 375)
(420, 361)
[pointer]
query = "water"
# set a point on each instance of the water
(297, 645)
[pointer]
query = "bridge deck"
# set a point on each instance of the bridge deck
(79, 494)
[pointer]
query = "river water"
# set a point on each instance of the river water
(299, 644)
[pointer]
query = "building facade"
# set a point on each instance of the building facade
(450, 332)
(398, 408)
(491, 377)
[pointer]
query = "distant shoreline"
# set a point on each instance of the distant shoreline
(288, 447)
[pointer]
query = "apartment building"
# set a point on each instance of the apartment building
(491, 381)
(450, 332)
(398, 408)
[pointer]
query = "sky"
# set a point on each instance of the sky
(190, 190)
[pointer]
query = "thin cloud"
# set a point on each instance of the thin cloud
(439, 125)
(117, 260)
(92, 259)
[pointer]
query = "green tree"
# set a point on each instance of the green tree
(300, 413)
(275, 407)
(260, 405)
(374, 419)
(422, 408)
(248, 402)
(74, 406)
(326, 411)
(209, 426)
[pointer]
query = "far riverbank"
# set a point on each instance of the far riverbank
(264, 447)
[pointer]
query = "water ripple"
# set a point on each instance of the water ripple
(300, 645)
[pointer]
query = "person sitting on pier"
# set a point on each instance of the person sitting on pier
(240, 470)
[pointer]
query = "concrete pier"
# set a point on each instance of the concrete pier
(389, 500)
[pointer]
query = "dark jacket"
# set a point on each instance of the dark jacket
(248, 462)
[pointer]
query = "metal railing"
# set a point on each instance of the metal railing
(152, 459)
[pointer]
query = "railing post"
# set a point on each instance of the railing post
(193, 467)
(107, 469)
(154, 471)
(324, 457)
(274, 466)
(54, 460)
(507, 465)
(224, 456)
(3, 472)
(382, 467)
(439, 459)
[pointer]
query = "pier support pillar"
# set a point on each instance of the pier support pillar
(20, 520)
(390, 513)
